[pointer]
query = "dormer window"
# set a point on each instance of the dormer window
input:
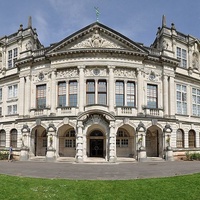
(12, 57)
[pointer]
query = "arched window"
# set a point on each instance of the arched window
(191, 139)
(70, 140)
(179, 138)
(13, 138)
(2, 138)
(122, 138)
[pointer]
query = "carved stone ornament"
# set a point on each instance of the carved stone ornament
(67, 73)
(51, 128)
(129, 73)
(167, 129)
(195, 61)
(96, 41)
(95, 72)
(25, 129)
(140, 127)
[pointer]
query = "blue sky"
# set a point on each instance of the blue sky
(136, 19)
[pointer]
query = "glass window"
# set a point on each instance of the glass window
(195, 102)
(12, 109)
(0, 94)
(2, 138)
(119, 93)
(182, 56)
(179, 138)
(13, 138)
(102, 92)
(41, 96)
(61, 94)
(191, 139)
(73, 87)
(181, 99)
(70, 140)
(12, 57)
(12, 91)
(131, 94)
(90, 92)
(152, 98)
(122, 138)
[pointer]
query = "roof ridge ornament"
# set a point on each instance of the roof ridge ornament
(97, 13)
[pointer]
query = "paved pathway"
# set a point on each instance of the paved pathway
(99, 171)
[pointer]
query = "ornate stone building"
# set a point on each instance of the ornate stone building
(98, 94)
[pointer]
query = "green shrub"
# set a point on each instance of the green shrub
(192, 156)
(3, 155)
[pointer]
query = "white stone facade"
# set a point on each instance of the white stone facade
(96, 93)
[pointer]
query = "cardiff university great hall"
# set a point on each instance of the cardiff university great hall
(97, 94)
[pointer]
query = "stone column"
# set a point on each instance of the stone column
(53, 92)
(81, 88)
(79, 142)
(167, 146)
(21, 96)
(25, 143)
(51, 143)
(140, 142)
(139, 91)
(112, 143)
(111, 88)
(172, 97)
(165, 95)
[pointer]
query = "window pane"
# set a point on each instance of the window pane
(73, 87)
(152, 96)
(119, 93)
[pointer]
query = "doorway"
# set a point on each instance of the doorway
(152, 143)
(96, 142)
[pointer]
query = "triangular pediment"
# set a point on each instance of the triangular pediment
(96, 36)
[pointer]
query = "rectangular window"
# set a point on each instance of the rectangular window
(182, 56)
(102, 92)
(195, 102)
(70, 143)
(12, 91)
(61, 94)
(0, 111)
(119, 93)
(73, 88)
(90, 92)
(152, 96)
(12, 109)
(12, 57)
(181, 99)
(131, 94)
(41, 96)
(0, 94)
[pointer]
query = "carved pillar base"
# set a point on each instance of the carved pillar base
(24, 155)
(142, 155)
(169, 154)
(50, 156)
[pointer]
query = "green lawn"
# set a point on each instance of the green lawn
(180, 187)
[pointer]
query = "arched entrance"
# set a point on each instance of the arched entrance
(96, 141)
(39, 141)
(154, 142)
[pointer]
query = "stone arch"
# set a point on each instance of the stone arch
(126, 141)
(38, 140)
(154, 141)
(66, 140)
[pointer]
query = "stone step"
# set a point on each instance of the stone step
(66, 159)
(38, 159)
(155, 159)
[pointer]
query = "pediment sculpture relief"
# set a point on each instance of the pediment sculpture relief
(96, 41)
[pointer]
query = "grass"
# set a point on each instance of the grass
(179, 188)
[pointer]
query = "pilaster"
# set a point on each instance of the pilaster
(139, 91)
(165, 95)
(111, 88)
(81, 88)
(79, 142)
(21, 96)
(112, 143)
